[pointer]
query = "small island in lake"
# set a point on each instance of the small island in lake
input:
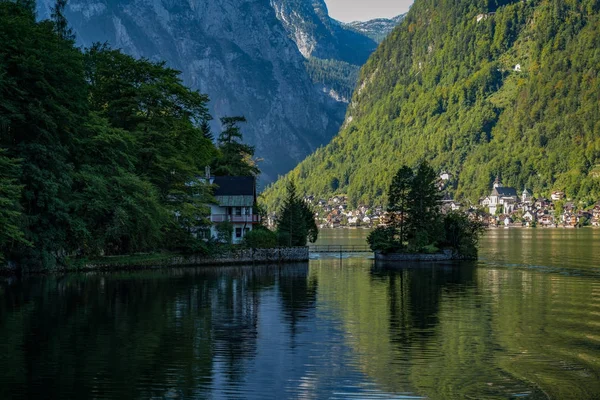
(417, 229)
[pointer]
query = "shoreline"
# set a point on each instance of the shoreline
(489, 227)
(155, 261)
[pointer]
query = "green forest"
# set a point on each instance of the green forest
(476, 88)
(100, 153)
(335, 74)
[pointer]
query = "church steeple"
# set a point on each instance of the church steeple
(497, 182)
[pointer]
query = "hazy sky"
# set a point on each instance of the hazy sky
(363, 10)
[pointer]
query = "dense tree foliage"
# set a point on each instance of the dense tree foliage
(100, 153)
(295, 222)
(476, 88)
(416, 222)
(10, 232)
(333, 74)
(235, 157)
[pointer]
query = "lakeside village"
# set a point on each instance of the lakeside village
(503, 207)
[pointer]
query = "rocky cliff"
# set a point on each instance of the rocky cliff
(247, 55)
(317, 35)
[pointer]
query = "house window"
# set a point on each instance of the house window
(238, 211)
(238, 232)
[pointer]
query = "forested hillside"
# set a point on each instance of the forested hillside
(337, 77)
(477, 88)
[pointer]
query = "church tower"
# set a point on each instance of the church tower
(497, 183)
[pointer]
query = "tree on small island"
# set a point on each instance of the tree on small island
(416, 223)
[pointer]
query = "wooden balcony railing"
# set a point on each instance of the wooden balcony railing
(252, 219)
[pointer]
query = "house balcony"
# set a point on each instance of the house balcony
(240, 219)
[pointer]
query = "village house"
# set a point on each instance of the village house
(445, 176)
(546, 220)
(353, 221)
(526, 197)
(528, 216)
(557, 195)
(235, 199)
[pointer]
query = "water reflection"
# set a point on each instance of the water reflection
(328, 329)
(415, 290)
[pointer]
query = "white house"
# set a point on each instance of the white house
(235, 198)
(445, 176)
(485, 202)
(557, 195)
(353, 221)
(455, 206)
(528, 216)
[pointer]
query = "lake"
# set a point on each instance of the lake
(522, 322)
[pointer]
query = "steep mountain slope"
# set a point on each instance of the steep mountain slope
(237, 52)
(478, 88)
(376, 29)
(317, 35)
(334, 51)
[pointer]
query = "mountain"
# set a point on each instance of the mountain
(317, 35)
(247, 55)
(334, 51)
(478, 89)
(376, 29)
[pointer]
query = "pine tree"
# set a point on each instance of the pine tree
(236, 157)
(296, 223)
(423, 211)
(206, 131)
(398, 201)
(61, 25)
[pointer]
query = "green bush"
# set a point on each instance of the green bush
(383, 239)
(462, 234)
(260, 238)
(225, 232)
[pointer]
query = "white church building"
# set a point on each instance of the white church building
(502, 198)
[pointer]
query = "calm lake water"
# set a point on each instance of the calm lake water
(523, 322)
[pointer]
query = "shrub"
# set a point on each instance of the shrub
(462, 234)
(225, 232)
(383, 239)
(260, 238)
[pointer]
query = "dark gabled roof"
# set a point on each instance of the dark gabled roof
(504, 192)
(235, 191)
(234, 186)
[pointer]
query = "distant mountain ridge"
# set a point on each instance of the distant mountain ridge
(318, 35)
(376, 29)
(245, 56)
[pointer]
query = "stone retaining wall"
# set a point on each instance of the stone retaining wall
(446, 255)
(244, 256)
(237, 257)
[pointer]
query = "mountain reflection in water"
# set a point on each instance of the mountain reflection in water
(499, 328)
